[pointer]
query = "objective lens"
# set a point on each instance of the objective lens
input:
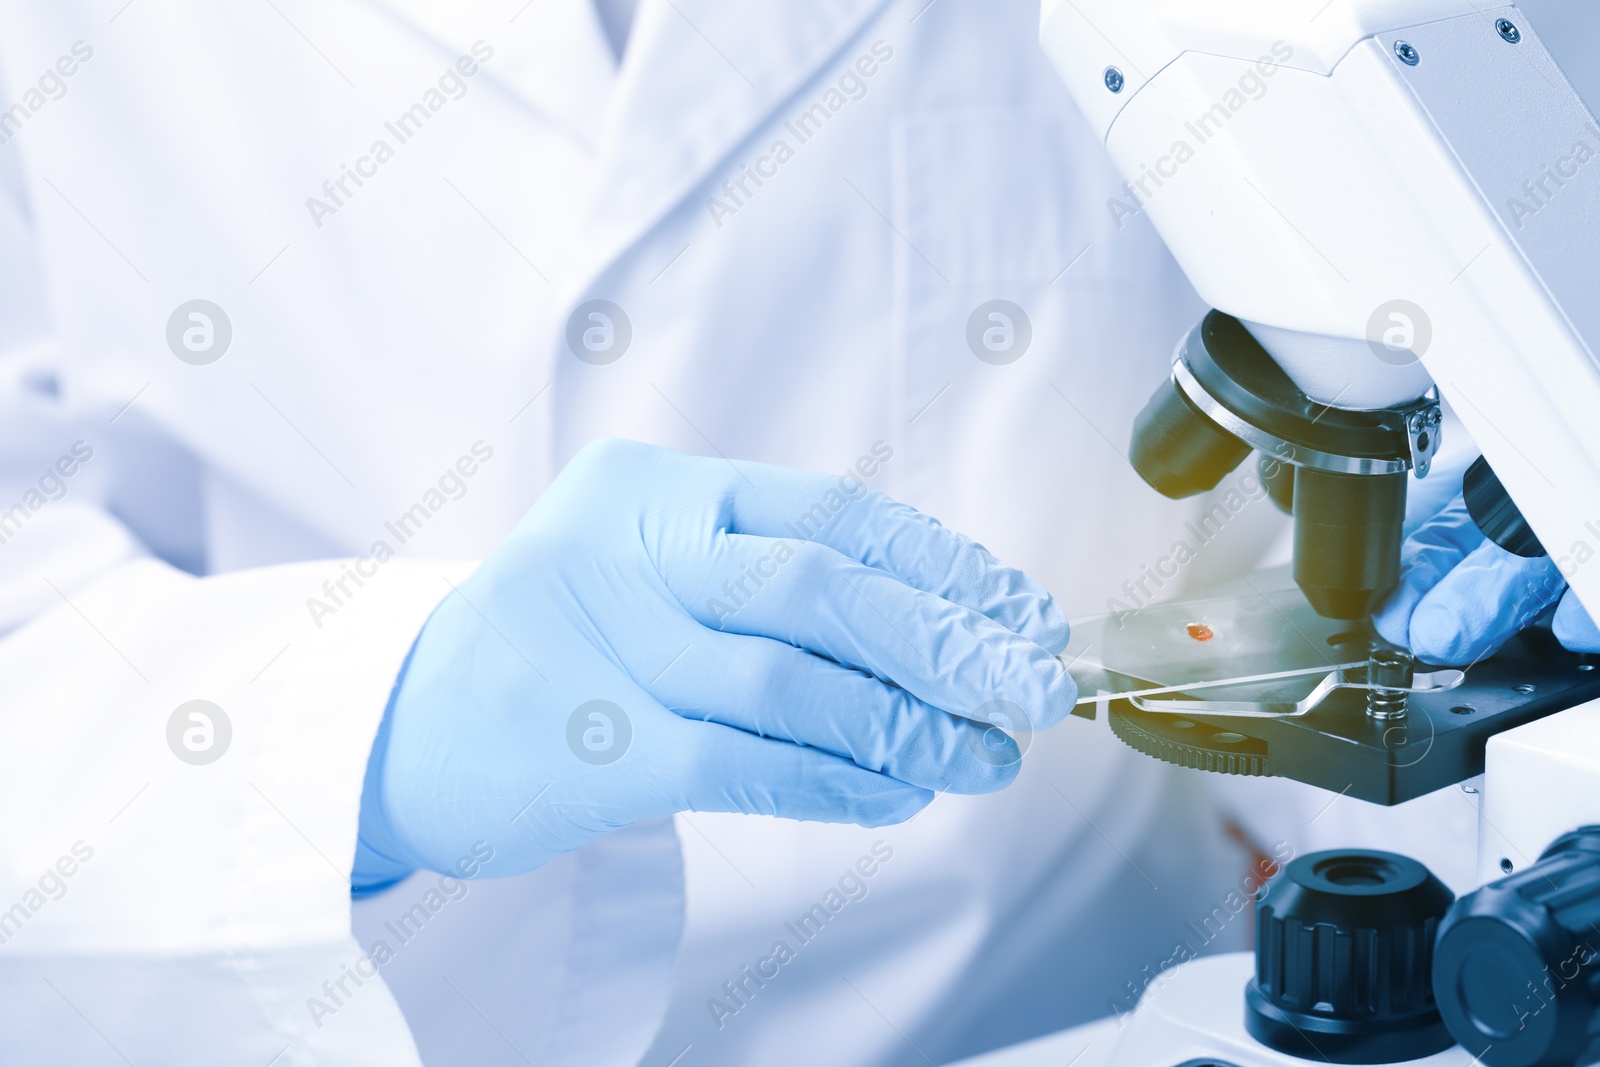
(1347, 534)
(1278, 477)
(1177, 449)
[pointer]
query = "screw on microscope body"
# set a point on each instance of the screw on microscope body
(1508, 30)
(1388, 667)
(1407, 53)
(1114, 79)
(1526, 688)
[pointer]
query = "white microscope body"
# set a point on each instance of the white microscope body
(1330, 171)
(1361, 182)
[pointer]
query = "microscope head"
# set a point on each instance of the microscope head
(1342, 473)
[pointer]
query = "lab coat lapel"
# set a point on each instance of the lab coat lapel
(698, 78)
(552, 54)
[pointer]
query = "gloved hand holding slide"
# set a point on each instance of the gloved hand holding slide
(664, 633)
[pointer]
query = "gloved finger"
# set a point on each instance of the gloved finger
(1429, 554)
(875, 529)
(1481, 604)
(945, 654)
(773, 689)
(724, 769)
(1573, 626)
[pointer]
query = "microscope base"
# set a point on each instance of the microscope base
(1193, 1016)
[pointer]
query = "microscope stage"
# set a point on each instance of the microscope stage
(1260, 642)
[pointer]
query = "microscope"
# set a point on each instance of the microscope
(1390, 204)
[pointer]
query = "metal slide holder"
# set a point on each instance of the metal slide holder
(1385, 698)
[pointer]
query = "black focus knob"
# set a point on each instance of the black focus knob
(1515, 967)
(1496, 514)
(1344, 956)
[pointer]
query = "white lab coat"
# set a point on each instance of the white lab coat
(383, 328)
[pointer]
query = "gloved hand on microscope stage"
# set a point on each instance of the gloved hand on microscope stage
(1461, 596)
(665, 633)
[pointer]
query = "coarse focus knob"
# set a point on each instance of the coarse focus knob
(1344, 955)
(1495, 513)
(1514, 969)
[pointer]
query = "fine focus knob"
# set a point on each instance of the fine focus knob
(1496, 514)
(1344, 956)
(1515, 967)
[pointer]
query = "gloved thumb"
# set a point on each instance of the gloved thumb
(1483, 602)
(1431, 552)
(1573, 627)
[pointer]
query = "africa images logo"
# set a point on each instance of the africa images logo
(1250, 87)
(1399, 333)
(199, 732)
(199, 332)
(999, 332)
(599, 732)
(599, 332)
(738, 192)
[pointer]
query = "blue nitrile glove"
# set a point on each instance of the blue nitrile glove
(1573, 627)
(1461, 596)
(665, 633)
